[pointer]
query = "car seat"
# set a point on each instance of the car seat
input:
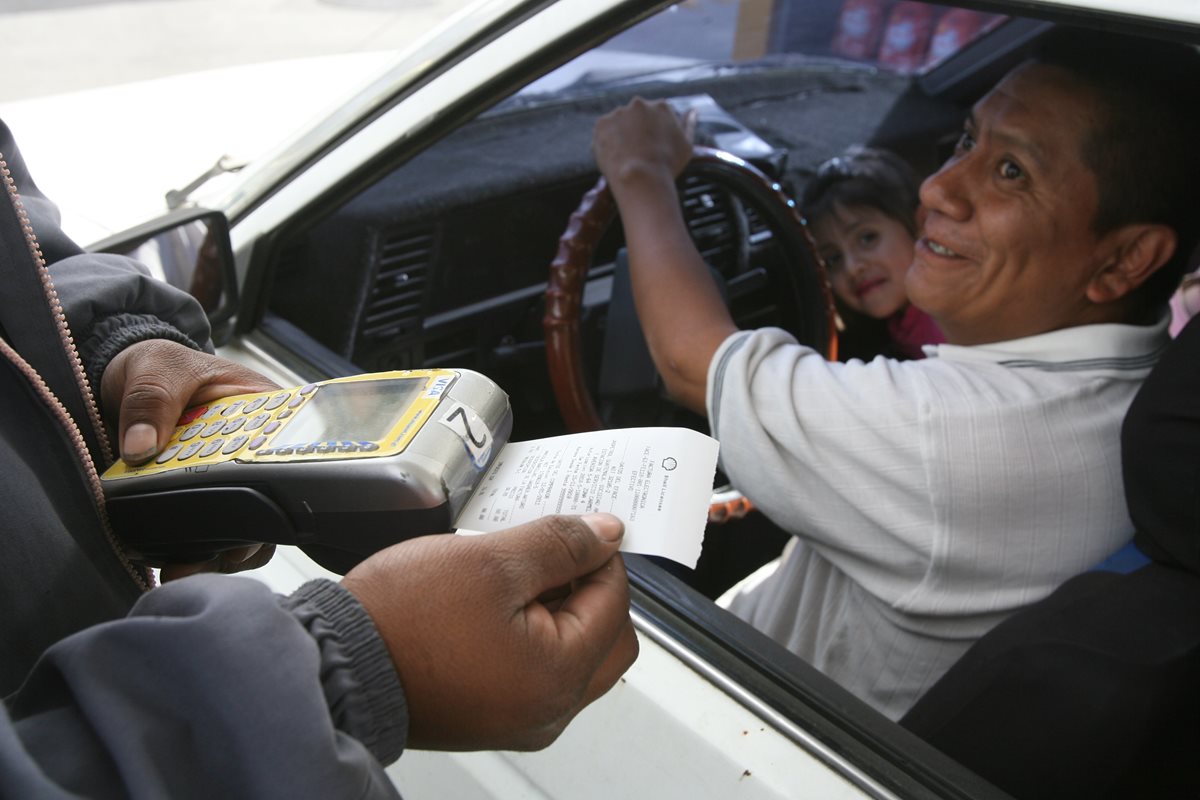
(1095, 691)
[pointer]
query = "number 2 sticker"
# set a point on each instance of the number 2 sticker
(471, 429)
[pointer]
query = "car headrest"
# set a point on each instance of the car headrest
(1160, 454)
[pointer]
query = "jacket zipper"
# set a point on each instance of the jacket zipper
(141, 577)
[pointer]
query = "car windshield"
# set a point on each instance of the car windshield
(705, 37)
(222, 96)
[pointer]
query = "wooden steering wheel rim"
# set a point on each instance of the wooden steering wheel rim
(569, 270)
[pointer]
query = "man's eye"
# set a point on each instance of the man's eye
(965, 143)
(1010, 171)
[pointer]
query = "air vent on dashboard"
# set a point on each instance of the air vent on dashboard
(709, 216)
(395, 300)
(759, 230)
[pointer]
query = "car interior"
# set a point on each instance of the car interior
(444, 258)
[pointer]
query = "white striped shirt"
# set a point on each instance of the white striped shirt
(930, 499)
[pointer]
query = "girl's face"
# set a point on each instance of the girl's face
(867, 254)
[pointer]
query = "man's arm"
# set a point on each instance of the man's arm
(641, 148)
(214, 687)
(211, 687)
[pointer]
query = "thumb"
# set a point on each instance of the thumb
(149, 411)
(690, 119)
(557, 550)
(147, 385)
(153, 381)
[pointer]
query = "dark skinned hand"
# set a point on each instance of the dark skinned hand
(501, 639)
(149, 384)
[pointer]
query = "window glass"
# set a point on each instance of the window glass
(895, 35)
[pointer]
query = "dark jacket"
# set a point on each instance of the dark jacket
(208, 687)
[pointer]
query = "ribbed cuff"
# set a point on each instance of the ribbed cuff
(120, 331)
(371, 707)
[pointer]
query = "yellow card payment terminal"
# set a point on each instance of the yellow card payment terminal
(341, 468)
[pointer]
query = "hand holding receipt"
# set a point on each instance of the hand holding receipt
(658, 480)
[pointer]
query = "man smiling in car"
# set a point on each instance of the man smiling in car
(931, 499)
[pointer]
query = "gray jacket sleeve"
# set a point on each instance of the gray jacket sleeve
(211, 687)
(112, 302)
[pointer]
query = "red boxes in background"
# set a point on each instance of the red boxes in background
(955, 28)
(859, 28)
(905, 36)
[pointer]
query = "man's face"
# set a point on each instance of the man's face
(1007, 249)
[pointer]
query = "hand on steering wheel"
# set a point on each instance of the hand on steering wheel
(798, 283)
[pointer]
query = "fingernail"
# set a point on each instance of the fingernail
(141, 440)
(606, 527)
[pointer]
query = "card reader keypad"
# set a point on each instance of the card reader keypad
(216, 432)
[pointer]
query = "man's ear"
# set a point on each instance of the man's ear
(1137, 251)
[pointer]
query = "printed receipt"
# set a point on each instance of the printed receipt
(657, 480)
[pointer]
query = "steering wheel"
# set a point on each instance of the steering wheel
(798, 282)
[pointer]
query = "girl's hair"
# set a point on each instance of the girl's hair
(863, 176)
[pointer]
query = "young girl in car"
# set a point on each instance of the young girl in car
(861, 210)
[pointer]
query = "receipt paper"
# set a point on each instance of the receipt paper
(657, 480)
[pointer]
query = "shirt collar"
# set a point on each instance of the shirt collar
(1107, 347)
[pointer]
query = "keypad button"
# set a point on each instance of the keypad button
(257, 442)
(190, 450)
(212, 428)
(169, 453)
(254, 423)
(255, 404)
(295, 401)
(213, 411)
(235, 444)
(283, 414)
(286, 450)
(276, 401)
(191, 415)
(191, 431)
(308, 388)
(233, 408)
(233, 426)
(271, 427)
(368, 447)
(212, 447)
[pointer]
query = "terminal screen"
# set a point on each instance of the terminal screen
(356, 411)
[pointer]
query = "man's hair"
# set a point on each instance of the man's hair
(1145, 148)
(863, 176)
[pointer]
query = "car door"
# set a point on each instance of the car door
(711, 708)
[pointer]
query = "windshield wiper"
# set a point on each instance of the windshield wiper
(226, 163)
